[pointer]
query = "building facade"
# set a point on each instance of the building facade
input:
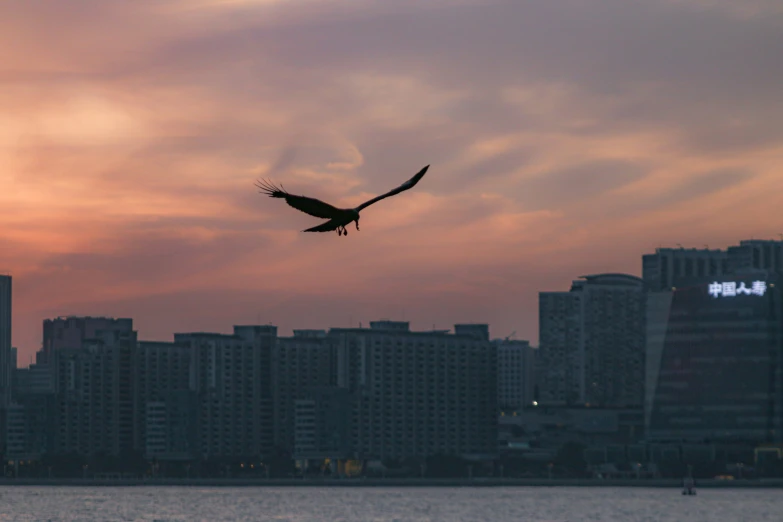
(560, 368)
(72, 331)
(418, 394)
(93, 411)
(715, 361)
(669, 268)
(230, 379)
(593, 343)
(301, 362)
(164, 406)
(31, 415)
(516, 373)
(6, 375)
(323, 424)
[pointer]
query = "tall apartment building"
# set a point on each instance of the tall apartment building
(71, 332)
(230, 376)
(301, 362)
(264, 339)
(592, 342)
(93, 394)
(560, 370)
(13, 357)
(164, 407)
(757, 254)
(714, 367)
(417, 394)
(5, 341)
(516, 373)
(669, 268)
(31, 426)
(323, 423)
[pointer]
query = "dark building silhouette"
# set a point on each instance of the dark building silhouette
(31, 416)
(324, 424)
(515, 374)
(164, 405)
(300, 363)
(477, 330)
(669, 268)
(99, 400)
(592, 343)
(230, 377)
(6, 366)
(71, 332)
(94, 395)
(715, 360)
(418, 394)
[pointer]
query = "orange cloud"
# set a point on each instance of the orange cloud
(132, 133)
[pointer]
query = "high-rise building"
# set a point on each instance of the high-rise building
(163, 403)
(477, 330)
(35, 379)
(94, 395)
(560, 368)
(230, 377)
(516, 370)
(31, 417)
(669, 268)
(418, 394)
(759, 254)
(5, 341)
(71, 332)
(12, 358)
(592, 345)
(323, 427)
(300, 363)
(714, 368)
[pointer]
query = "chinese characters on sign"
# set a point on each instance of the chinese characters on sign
(732, 289)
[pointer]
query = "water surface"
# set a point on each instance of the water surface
(414, 504)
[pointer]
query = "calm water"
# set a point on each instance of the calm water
(304, 504)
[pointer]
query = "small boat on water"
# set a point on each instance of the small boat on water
(688, 486)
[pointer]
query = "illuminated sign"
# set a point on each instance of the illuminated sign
(732, 289)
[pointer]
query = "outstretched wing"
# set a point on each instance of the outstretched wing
(329, 226)
(405, 186)
(311, 206)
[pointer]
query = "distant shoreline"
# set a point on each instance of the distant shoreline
(394, 482)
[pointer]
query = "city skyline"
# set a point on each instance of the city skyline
(421, 325)
(661, 364)
(564, 140)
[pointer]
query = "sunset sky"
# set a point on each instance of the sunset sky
(566, 137)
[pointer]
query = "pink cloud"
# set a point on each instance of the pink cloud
(132, 133)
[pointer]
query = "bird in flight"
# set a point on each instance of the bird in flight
(338, 217)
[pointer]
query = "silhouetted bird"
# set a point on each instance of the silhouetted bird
(338, 217)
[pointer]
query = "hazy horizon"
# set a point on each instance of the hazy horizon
(564, 140)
